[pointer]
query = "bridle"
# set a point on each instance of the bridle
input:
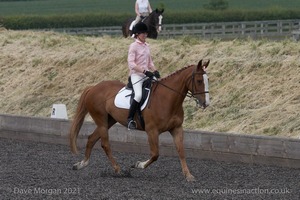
(152, 24)
(192, 79)
(193, 93)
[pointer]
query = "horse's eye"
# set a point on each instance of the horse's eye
(199, 81)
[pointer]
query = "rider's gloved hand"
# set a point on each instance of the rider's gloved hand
(156, 74)
(149, 74)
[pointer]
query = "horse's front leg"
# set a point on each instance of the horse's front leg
(106, 147)
(154, 150)
(177, 134)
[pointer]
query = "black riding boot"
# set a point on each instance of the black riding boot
(131, 124)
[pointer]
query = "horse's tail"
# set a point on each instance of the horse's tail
(78, 120)
(124, 31)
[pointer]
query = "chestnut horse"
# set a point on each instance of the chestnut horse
(165, 113)
(153, 22)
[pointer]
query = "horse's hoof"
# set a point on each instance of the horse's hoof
(136, 165)
(117, 170)
(190, 178)
(126, 173)
(75, 167)
(80, 165)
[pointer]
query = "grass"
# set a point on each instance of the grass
(254, 84)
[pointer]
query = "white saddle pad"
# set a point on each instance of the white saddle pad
(122, 99)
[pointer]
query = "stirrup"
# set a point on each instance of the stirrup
(131, 125)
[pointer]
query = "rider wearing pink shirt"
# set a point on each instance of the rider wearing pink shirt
(140, 66)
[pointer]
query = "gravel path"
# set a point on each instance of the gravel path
(31, 170)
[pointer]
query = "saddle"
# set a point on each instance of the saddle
(125, 97)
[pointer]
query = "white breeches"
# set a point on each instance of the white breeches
(137, 83)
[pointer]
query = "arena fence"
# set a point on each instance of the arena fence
(273, 29)
(279, 151)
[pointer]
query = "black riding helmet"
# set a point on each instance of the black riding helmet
(140, 28)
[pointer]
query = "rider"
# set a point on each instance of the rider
(140, 66)
(142, 10)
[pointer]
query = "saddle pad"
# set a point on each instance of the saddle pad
(122, 99)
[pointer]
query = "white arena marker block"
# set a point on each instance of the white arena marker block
(59, 111)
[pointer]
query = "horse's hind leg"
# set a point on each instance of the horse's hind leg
(102, 133)
(92, 139)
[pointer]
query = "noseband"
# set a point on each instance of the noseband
(194, 92)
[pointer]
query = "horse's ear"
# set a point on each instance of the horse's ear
(206, 64)
(199, 66)
(162, 10)
(156, 10)
(203, 66)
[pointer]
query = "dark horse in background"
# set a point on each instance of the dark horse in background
(153, 22)
(165, 113)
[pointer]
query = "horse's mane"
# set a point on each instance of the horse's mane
(151, 15)
(155, 13)
(177, 72)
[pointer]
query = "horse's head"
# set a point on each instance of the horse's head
(157, 19)
(198, 85)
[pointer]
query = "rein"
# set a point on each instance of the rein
(189, 94)
(158, 82)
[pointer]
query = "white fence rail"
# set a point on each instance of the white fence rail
(96, 31)
(275, 29)
(230, 30)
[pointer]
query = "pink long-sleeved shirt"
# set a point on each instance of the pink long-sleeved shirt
(139, 58)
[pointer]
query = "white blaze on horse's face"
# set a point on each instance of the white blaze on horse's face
(205, 80)
(160, 17)
(200, 91)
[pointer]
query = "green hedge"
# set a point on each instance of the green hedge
(115, 19)
(230, 16)
(63, 21)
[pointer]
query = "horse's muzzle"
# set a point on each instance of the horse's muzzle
(201, 105)
(158, 28)
(204, 106)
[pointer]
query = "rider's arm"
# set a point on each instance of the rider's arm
(137, 9)
(151, 64)
(149, 8)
